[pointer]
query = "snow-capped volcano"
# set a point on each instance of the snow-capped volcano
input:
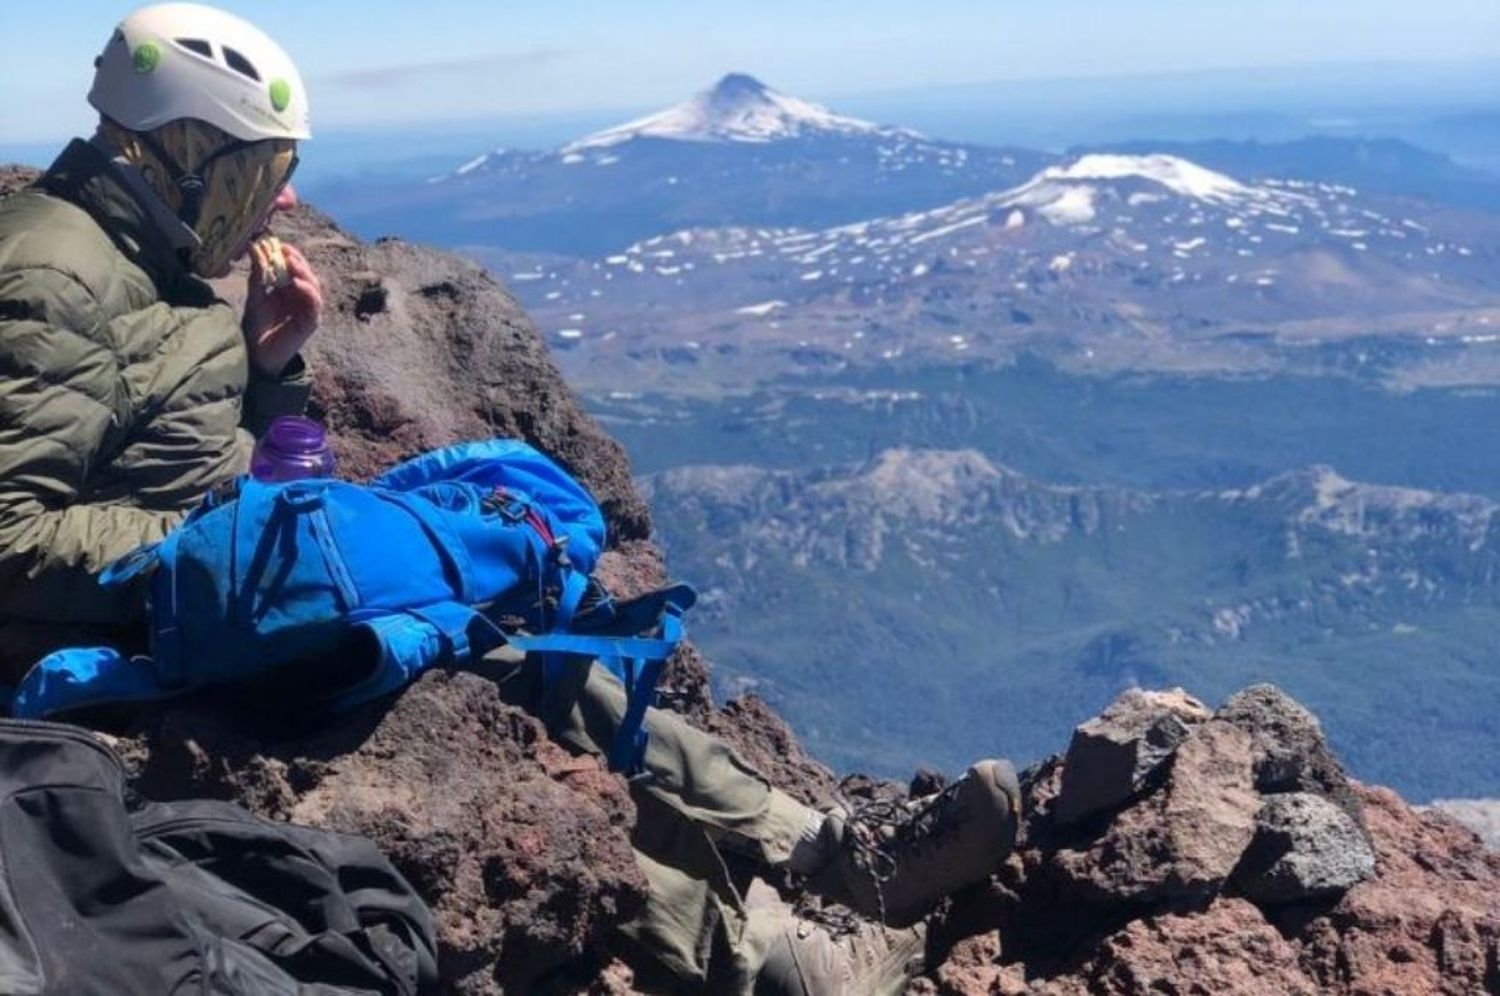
(739, 153)
(739, 108)
(1068, 193)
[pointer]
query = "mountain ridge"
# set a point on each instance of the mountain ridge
(943, 570)
(1102, 263)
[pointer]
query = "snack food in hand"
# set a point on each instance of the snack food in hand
(268, 257)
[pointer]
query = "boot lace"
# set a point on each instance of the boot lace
(882, 834)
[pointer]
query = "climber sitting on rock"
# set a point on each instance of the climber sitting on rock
(132, 390)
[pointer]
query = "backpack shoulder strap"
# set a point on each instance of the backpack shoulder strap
(407, 643)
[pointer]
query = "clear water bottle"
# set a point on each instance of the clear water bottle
(292, 448)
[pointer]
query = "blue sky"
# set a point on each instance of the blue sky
(379, 61)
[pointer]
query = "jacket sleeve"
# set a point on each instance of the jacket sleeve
(62, 405)
(267, 398)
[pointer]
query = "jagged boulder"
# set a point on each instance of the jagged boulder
(1305, 848)
(1111, 757)
(1182, 841)
(1237, 869)
(1291, 753)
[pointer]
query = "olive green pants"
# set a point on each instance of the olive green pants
(694, 797)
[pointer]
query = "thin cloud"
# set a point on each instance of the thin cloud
(498, 65)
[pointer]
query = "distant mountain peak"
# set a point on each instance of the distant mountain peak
(1065, 193)
(1173, 172)
(739, 85)
(738, 108)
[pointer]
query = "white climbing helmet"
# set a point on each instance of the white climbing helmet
(185, 60)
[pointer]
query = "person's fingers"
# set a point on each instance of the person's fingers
(295, 260)
(258, 267)
(300, 269)
(309, 293)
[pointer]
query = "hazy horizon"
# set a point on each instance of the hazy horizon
(1378, 99)
(374, 65)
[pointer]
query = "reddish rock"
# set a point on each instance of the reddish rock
(1112, 756)
(1227, 950)
(973, 967)
(1428, 923)
(520, 848)
(1182, 841)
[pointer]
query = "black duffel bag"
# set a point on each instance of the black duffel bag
(193, 897)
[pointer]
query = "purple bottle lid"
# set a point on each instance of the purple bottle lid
(296, 436)
(293, 447)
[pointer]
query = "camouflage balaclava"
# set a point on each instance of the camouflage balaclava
(239, 182)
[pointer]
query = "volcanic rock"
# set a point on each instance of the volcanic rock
(1230, 949)
(1111, 756)
(1180, 842)
(1422, 918)
(519, 847)
(1291, 753)
(1305, 848)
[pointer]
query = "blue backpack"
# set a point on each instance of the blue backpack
(396, 576)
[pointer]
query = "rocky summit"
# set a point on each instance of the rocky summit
(1173, 847)
(1221, 852)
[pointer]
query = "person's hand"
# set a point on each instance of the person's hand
(279, 322)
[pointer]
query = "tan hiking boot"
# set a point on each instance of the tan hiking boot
(845, 957)
(894, 861)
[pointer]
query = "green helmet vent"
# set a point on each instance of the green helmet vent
(146, 57)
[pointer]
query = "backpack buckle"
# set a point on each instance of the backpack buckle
(507, 506)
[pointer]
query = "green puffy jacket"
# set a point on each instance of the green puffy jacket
(125, 390)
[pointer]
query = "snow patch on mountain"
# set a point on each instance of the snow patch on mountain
(739, 108)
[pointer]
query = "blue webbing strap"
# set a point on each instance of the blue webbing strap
(333, 560)
(628, 752)
(451, 620)
(636, 661)
(554, 661)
